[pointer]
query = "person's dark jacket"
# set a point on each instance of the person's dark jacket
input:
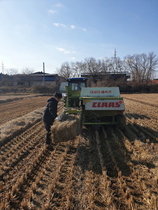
(50, 111)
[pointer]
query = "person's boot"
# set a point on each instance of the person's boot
(48, 138)
(49, 141)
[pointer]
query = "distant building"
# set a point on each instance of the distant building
(44, 78)
(108, 75)
(6, 78)
(1, 76)
(31, 79)
(37, 78)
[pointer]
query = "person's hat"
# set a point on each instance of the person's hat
(58, 95)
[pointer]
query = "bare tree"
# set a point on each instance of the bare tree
(142, 66)
(27, 78)
(77, 68)
(65, 71)
(11, 71)
(27, 71)
(153, 64)
(91, 67)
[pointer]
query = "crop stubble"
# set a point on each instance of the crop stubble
(109, 169)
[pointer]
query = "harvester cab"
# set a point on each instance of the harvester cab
(73, 90)
(77, 83)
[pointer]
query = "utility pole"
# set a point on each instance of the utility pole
(44, 73)
(115, 53)
(115, 61)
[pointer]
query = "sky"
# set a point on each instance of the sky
(54, 32)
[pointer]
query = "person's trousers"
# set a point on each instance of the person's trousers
(48, 129)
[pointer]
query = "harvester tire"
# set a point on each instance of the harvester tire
(121, 121)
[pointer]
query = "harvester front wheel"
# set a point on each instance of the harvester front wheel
(121, 121)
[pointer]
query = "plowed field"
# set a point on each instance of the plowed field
(110, 169)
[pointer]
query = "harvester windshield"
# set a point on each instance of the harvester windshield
(77, 86)
(77, 83)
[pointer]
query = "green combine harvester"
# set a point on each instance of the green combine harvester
(96, 105)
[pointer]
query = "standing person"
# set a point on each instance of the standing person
(50, 114)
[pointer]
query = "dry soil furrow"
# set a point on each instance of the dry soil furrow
(19, 141)
(151, 126)
(39, 191)
(115, 161)
(21, 189)
(49, 189)
(62, 197)
(141, 111)
(126, 177)
(144, 115)
(14, 164)
(14, 109)
(78, 190)
(109, 169)
(149, 98)
(143, 168)
(143, 101)
(88, 191)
